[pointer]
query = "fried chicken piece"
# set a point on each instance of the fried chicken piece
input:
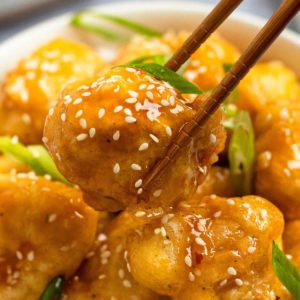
(29, 90)
(206, 66)
(10, 165)
(106, 273)
(277, 170)
(217, 182)
(291, 241)
(267, 84)
(107, 137)
(217, 248)
(45, 231)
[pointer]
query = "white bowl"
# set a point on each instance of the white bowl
(240, 28)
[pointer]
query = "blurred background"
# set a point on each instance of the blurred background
(16, 15)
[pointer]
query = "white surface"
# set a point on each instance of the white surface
(239, 29)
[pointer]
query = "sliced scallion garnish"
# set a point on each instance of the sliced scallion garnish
(160, 59)
(163, 73)
(88, 20)
(241, 153)
(286, 271)
(54, 289)
(36, 157)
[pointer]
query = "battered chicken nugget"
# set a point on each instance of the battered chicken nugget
(106, 138)
(291, 241)
(10, 165)
(220, 248)
(106, 273)
(267, 84)
(45, 231)
(29, 90)
(277, 170)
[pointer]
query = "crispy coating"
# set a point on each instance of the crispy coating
(29, 90)
(267, 84)
(291, 241)
(10, 165)
(216, 249)
(217, 182)
(106, 273)
(206, 66)
(109, 135)
(277, 170)
(45, 230)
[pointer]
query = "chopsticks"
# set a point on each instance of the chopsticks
(217, 16)
(275, 25)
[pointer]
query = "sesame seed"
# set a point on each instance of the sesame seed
(246, 205)
(223, 282)
(86, 94)
(19, 255)
(163, 231)
(52, 218)
(51, 111)
(81, 137)
(251, 249)
(130, 119)
(230, 201)
(217, 214)
(128, 112)
(150, 95)
(157, 193)
(101, 113)
(154, 138)
(238, 281)
(142, 86)
(284, 114)
(102, 237)
(44, 139)
(127, 283)
(79, 113)
(121, 273)
(191, 277)
(118, 108)
(116, 135)
(133, 94)
(30, 256)
(77, 101)
(117, 89)
(78, 215)
(200, 241)
(188, 261)
(140, 213)
(231, 271)
(131, 70)
(157, 230)
(92, 132)
(264, 213)
(138, 183)
(139, 191)
(172, 100)
(83, 123)
(116, 168)
(168, 130)
(165, 102)
(136, 167)
(143, 147)
(151, 87)
(212, 138)
(131, 100)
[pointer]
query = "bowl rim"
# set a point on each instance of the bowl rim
(165, 5)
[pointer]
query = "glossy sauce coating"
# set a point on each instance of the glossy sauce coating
(28, 91)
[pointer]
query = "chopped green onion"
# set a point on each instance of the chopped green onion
(163, 73)
(160, 59)
(35, 157)
(242, 153)
(227, 67)
(82, 21)
(54, 289)
(86, 20)
(286, 271)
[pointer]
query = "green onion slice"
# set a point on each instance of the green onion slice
(160, 59)
(88, 20)
(242, 153)
(54, 289)
(36, 157)
(286, 271)
(163, 73)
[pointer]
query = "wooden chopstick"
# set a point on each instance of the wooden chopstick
(217, 16)
(275, 25)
